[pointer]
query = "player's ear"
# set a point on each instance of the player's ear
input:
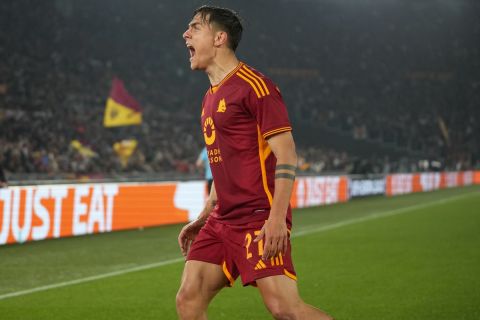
(221, 37)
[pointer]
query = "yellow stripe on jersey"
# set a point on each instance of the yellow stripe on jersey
(290, 275)
(251, 84)
(214, 89)
(275, 131)
(262, 264)
(243, 72)
(267, 152)
(263, 153)
(256, 76)
(227, 274)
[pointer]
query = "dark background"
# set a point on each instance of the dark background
(368, 84)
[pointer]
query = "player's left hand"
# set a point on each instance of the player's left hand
(275, 234)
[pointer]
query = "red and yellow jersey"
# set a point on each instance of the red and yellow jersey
(238, 116)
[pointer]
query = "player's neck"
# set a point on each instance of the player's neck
(221, 67)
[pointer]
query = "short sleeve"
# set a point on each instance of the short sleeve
(268, 108)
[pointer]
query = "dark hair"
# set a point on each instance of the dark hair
(225, 19)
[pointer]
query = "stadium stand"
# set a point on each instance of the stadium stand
(363, 96)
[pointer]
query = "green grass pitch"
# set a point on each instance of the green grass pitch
(407, 257)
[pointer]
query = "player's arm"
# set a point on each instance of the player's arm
(275, 229)
(190, 230)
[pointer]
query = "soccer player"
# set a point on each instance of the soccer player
(245, 226)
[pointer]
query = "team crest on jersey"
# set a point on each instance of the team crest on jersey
(222, 106)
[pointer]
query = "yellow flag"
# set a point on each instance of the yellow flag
(125, 149)
(85, 151)
(121, 108)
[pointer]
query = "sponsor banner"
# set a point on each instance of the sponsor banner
(397, 184)
(315, 191)
(366, 187)
(55, 211)
(467, 178)
(476, 177)
(42, 212)
(427, 181)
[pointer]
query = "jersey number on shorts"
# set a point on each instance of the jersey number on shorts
(275, 261)
(248, 239)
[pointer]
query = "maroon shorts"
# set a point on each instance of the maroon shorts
(233, 248)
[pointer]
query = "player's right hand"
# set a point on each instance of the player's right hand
(188, 234)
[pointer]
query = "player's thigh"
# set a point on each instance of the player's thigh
(202, 278)
(279, 292)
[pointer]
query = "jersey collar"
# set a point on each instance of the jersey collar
(215, 88)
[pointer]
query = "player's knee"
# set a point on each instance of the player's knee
(180, 301)
(280, 310)
(184, 299)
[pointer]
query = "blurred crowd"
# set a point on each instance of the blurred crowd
(410, 87)
(56, 82)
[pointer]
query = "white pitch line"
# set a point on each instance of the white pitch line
(300, 233)
(92, 278)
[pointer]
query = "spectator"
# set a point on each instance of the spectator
(363, 86)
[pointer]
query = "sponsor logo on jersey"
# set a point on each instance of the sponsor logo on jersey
(208, 124)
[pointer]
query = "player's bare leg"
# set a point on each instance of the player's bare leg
(201, 281)
(280, 295)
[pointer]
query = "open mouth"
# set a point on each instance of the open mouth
(191, 50)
